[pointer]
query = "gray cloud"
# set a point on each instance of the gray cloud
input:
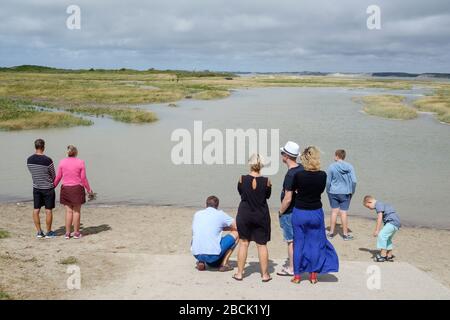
(251, 35)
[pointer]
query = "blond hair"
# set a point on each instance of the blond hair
(72, 151)
(256, 162)
(310, 158)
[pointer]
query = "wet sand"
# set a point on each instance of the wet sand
(32, 268)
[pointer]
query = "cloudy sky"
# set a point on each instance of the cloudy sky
(244, 35)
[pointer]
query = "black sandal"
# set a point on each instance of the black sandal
(380, 258)
(236, 278)
(390, 259)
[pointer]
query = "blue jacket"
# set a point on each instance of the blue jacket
(341, 178)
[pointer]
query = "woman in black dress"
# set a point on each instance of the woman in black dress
(253, 217)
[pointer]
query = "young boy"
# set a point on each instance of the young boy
(389, 217)
(341, 186)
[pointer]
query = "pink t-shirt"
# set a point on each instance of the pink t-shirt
(72, 171)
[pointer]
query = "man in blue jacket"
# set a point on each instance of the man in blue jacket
(341, 185)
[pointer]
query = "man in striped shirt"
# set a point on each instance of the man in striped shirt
(43, 174)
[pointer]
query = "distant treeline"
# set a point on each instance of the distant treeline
(178, 73)
(374, 74)
(411, 75)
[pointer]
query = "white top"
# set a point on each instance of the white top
(207, 228)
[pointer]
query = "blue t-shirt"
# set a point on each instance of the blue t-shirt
(389, 214)
(288, 185)
(207, 228)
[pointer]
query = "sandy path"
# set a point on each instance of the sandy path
(168, 277)
(31, 268)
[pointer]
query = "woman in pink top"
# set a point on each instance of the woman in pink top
(72, 171)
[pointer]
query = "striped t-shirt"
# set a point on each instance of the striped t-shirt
(42, 171)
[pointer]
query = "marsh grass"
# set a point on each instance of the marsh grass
(211, 94)
(68, 260)
(4, 234)
(19, 115)
(324, 81)
(387, 106)
(112, 92)
(123, 114)
(438, 102)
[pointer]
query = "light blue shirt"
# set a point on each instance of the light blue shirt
(341, 178)
(207, 228)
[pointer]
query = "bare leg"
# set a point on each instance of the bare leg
(383, 252)
(344, 221)
(69, 219)
(263, 255)
(291, 256)
(226, 258)
(333, 218)
(389, 254)
(76, 218)
(49, 219)
(37, 220)
(229, 252)
(242, 257)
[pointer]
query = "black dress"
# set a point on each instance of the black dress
(253, 217)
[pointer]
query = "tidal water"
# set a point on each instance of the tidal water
(405, 163)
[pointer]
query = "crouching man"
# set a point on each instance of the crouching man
(208, 245)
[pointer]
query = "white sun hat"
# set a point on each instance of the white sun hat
(291, 149)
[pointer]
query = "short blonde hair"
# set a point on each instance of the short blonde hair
(310, 158)
(72, 151)
(256, 162)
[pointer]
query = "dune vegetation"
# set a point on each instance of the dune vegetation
(18, 115)
(387, 106)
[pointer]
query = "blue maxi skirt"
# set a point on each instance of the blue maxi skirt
(312, 250)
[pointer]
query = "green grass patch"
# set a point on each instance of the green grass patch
(19, 115)
(4, 234)
(5, 296)
(69, 260)
(387, 106)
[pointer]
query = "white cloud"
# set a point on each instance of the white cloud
(182, 25)
(229, 34)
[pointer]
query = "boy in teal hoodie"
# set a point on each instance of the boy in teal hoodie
(341, 185)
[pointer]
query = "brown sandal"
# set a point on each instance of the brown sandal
(225, 268)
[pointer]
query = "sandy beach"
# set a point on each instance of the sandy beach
(35, 269)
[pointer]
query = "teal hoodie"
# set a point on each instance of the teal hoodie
(341, 178)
